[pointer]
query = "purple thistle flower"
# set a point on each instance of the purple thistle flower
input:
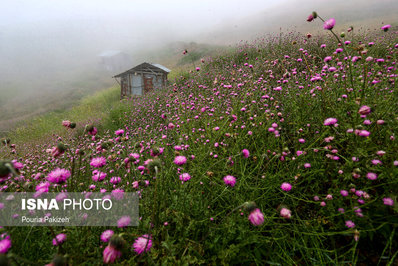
(329, 24)
(386, 27)
(286, 186)
(98, 162)
(230, 180)
(256, 217)
(59, 239)
(118, 194)
(330, 121)
(388, 201)
(111, 254)
(180, 160)
(364, 110)
(185, 177)
(142, 244)
(119, 132)
(344, 193)
(371, 176)
(58, 176)
(5, 245)
(98, 176)
(245, 153)
(106, 235)
(286, 213)
(124, 221)
(349, 224)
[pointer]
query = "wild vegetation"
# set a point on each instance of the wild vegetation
(281, 152)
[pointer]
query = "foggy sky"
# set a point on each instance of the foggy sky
(46, 35)
(122, 18)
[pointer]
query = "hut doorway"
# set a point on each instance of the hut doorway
(148, 84)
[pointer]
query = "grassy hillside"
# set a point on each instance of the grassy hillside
(90, 109)
(281, 152)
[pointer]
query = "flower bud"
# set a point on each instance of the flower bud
(249, 206)
(61, 147)
(5, 141)
(117, 242)
(154, 166)
(105, 145)
(27, 185)
(59, 260)
(5, 168)
(89, 128)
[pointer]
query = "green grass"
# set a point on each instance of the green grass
(90, 109)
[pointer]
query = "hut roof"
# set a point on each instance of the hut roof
(148, 67)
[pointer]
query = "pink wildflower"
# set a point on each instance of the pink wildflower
(119, 132)
(364, 110)
(98, 162)
(329, 24)
(349, 224)
(98, 176)
(344, 193)
(229, 180)
(59, 239)
(185, 177)
(66, 123)
(386, 27)
(58, 176)
(388, 201)
(330, 121)
(286, 213)
(124, 221)
(245, 153)
(256, 217)
(180, 160)
(286, 186)
(5, 245)
(118, 194)
(142, 244)
(111, 254)
(364, 133)
(371, 176)
(92, 131)
(106, 235)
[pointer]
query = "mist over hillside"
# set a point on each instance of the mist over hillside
(49, 51)
(291, 16)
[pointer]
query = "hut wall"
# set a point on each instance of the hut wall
(136, 85)
(158, 82)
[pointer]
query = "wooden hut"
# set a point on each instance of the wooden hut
(142, 78)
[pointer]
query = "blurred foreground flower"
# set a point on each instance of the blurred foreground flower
(329, 24)
(256, 217)
(142, 244)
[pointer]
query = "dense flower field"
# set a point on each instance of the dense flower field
(282, 152)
